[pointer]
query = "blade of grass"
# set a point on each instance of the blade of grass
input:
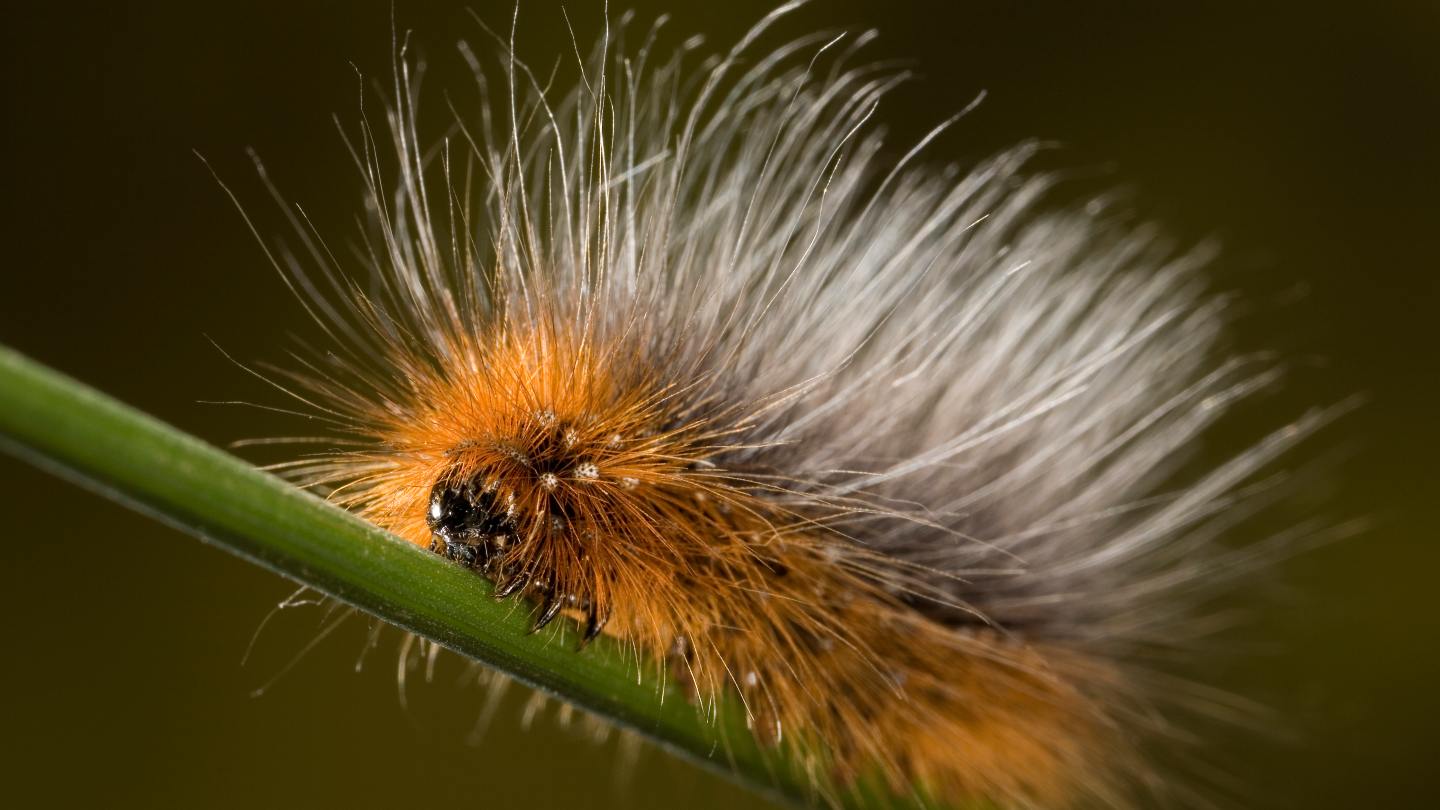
(81, 434)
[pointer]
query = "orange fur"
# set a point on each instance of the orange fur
(624, 499)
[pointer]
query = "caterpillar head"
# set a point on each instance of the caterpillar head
(558, 468)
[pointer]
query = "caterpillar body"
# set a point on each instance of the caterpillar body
(885, 451)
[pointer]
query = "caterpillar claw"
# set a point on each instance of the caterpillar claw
(506, 588)
(548, 612)
(594, 623)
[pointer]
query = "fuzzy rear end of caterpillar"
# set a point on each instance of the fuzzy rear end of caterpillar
(880, 448)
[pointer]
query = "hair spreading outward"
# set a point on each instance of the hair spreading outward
(888, 452)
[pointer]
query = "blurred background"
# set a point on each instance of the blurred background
(1304, 136)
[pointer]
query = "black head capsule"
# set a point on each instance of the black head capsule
(468, 523)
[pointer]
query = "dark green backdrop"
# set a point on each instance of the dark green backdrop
(1304, 136)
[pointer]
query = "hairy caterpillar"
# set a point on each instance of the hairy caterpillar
(884, 450)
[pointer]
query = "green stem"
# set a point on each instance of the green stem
(93, 440)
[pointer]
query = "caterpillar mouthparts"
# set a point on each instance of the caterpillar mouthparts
(885, 451)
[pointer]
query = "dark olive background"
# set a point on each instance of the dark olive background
(1303, 135)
